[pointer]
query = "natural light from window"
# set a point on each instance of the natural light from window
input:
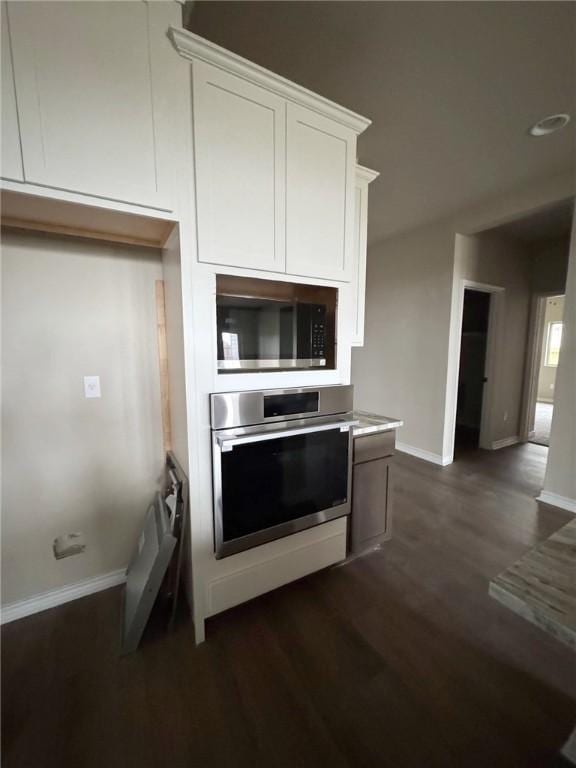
(553, 344)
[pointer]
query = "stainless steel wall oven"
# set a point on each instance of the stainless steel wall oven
(281, 463)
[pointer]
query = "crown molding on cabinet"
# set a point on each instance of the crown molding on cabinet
(366, 174)
(193, 47)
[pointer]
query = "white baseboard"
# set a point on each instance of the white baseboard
(547, 497)
(434, 458)
(505, 442)
(42, 602)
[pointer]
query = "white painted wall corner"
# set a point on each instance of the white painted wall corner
(434, 458)
(42, 602)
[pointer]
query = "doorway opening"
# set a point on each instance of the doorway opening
(550, 315)
(472, 371)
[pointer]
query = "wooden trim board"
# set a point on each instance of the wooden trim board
(163, 365)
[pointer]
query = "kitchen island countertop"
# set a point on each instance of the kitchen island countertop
(541, 587)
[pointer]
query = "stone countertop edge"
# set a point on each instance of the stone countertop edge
(541, 585)
(371, 423)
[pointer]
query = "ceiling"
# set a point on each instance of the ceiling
(551, 223)
(451, 87)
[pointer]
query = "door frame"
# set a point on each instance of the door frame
(533, 358)
(491, 366)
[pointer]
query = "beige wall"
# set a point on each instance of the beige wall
(547, 374)
(401, 370)
(561, 468)
(496, 261)
(72, 308)
(412, 336)
(549, 266)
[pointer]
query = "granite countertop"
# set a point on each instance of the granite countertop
(369, 423)
(541, 586)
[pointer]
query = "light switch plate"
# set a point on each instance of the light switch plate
(92, 386)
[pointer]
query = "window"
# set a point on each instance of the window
(553, 344)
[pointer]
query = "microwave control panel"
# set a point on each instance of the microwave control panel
(312, 324)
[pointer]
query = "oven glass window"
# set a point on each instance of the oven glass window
(272, 482)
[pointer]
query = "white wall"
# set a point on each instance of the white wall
(560, 480)
(72, 308)
(411, 316)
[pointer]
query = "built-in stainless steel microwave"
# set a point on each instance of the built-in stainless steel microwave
(263, 333)
(273, 332)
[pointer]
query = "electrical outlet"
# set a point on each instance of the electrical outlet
(505, 415)
(68, 544)
(91, 386)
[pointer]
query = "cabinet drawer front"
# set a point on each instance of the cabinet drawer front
(85, 99)
(376, 446)
(320, 196)
(239, 155)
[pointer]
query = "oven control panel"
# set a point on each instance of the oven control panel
(291, 404)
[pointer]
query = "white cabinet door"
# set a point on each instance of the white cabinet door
(11, 151)
(363, 177)
(239, 148)
(85, 98)
(321, 156)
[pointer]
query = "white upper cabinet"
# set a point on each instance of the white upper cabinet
(239, 149)
(363, 177)
(320, 162)
(275, 167)
(11, 151)
(91, 106)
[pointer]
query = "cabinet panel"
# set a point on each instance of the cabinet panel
(371, 505)
(239, 145)
(320, 196)
(363, 177)
(85, 99)
(359, 267)
(11, 152)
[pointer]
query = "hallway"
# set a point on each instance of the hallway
(542, 423)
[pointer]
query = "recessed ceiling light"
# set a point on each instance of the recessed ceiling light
(550, 124)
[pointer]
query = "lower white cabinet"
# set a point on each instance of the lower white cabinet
(92, 81)
(320, 163)
(363, 178)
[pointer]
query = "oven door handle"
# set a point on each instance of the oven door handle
(227, 443)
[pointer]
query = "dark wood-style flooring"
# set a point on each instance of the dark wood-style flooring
(399, 658)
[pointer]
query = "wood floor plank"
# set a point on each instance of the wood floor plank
(397, 659)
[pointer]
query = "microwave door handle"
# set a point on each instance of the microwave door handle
(226, 443)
